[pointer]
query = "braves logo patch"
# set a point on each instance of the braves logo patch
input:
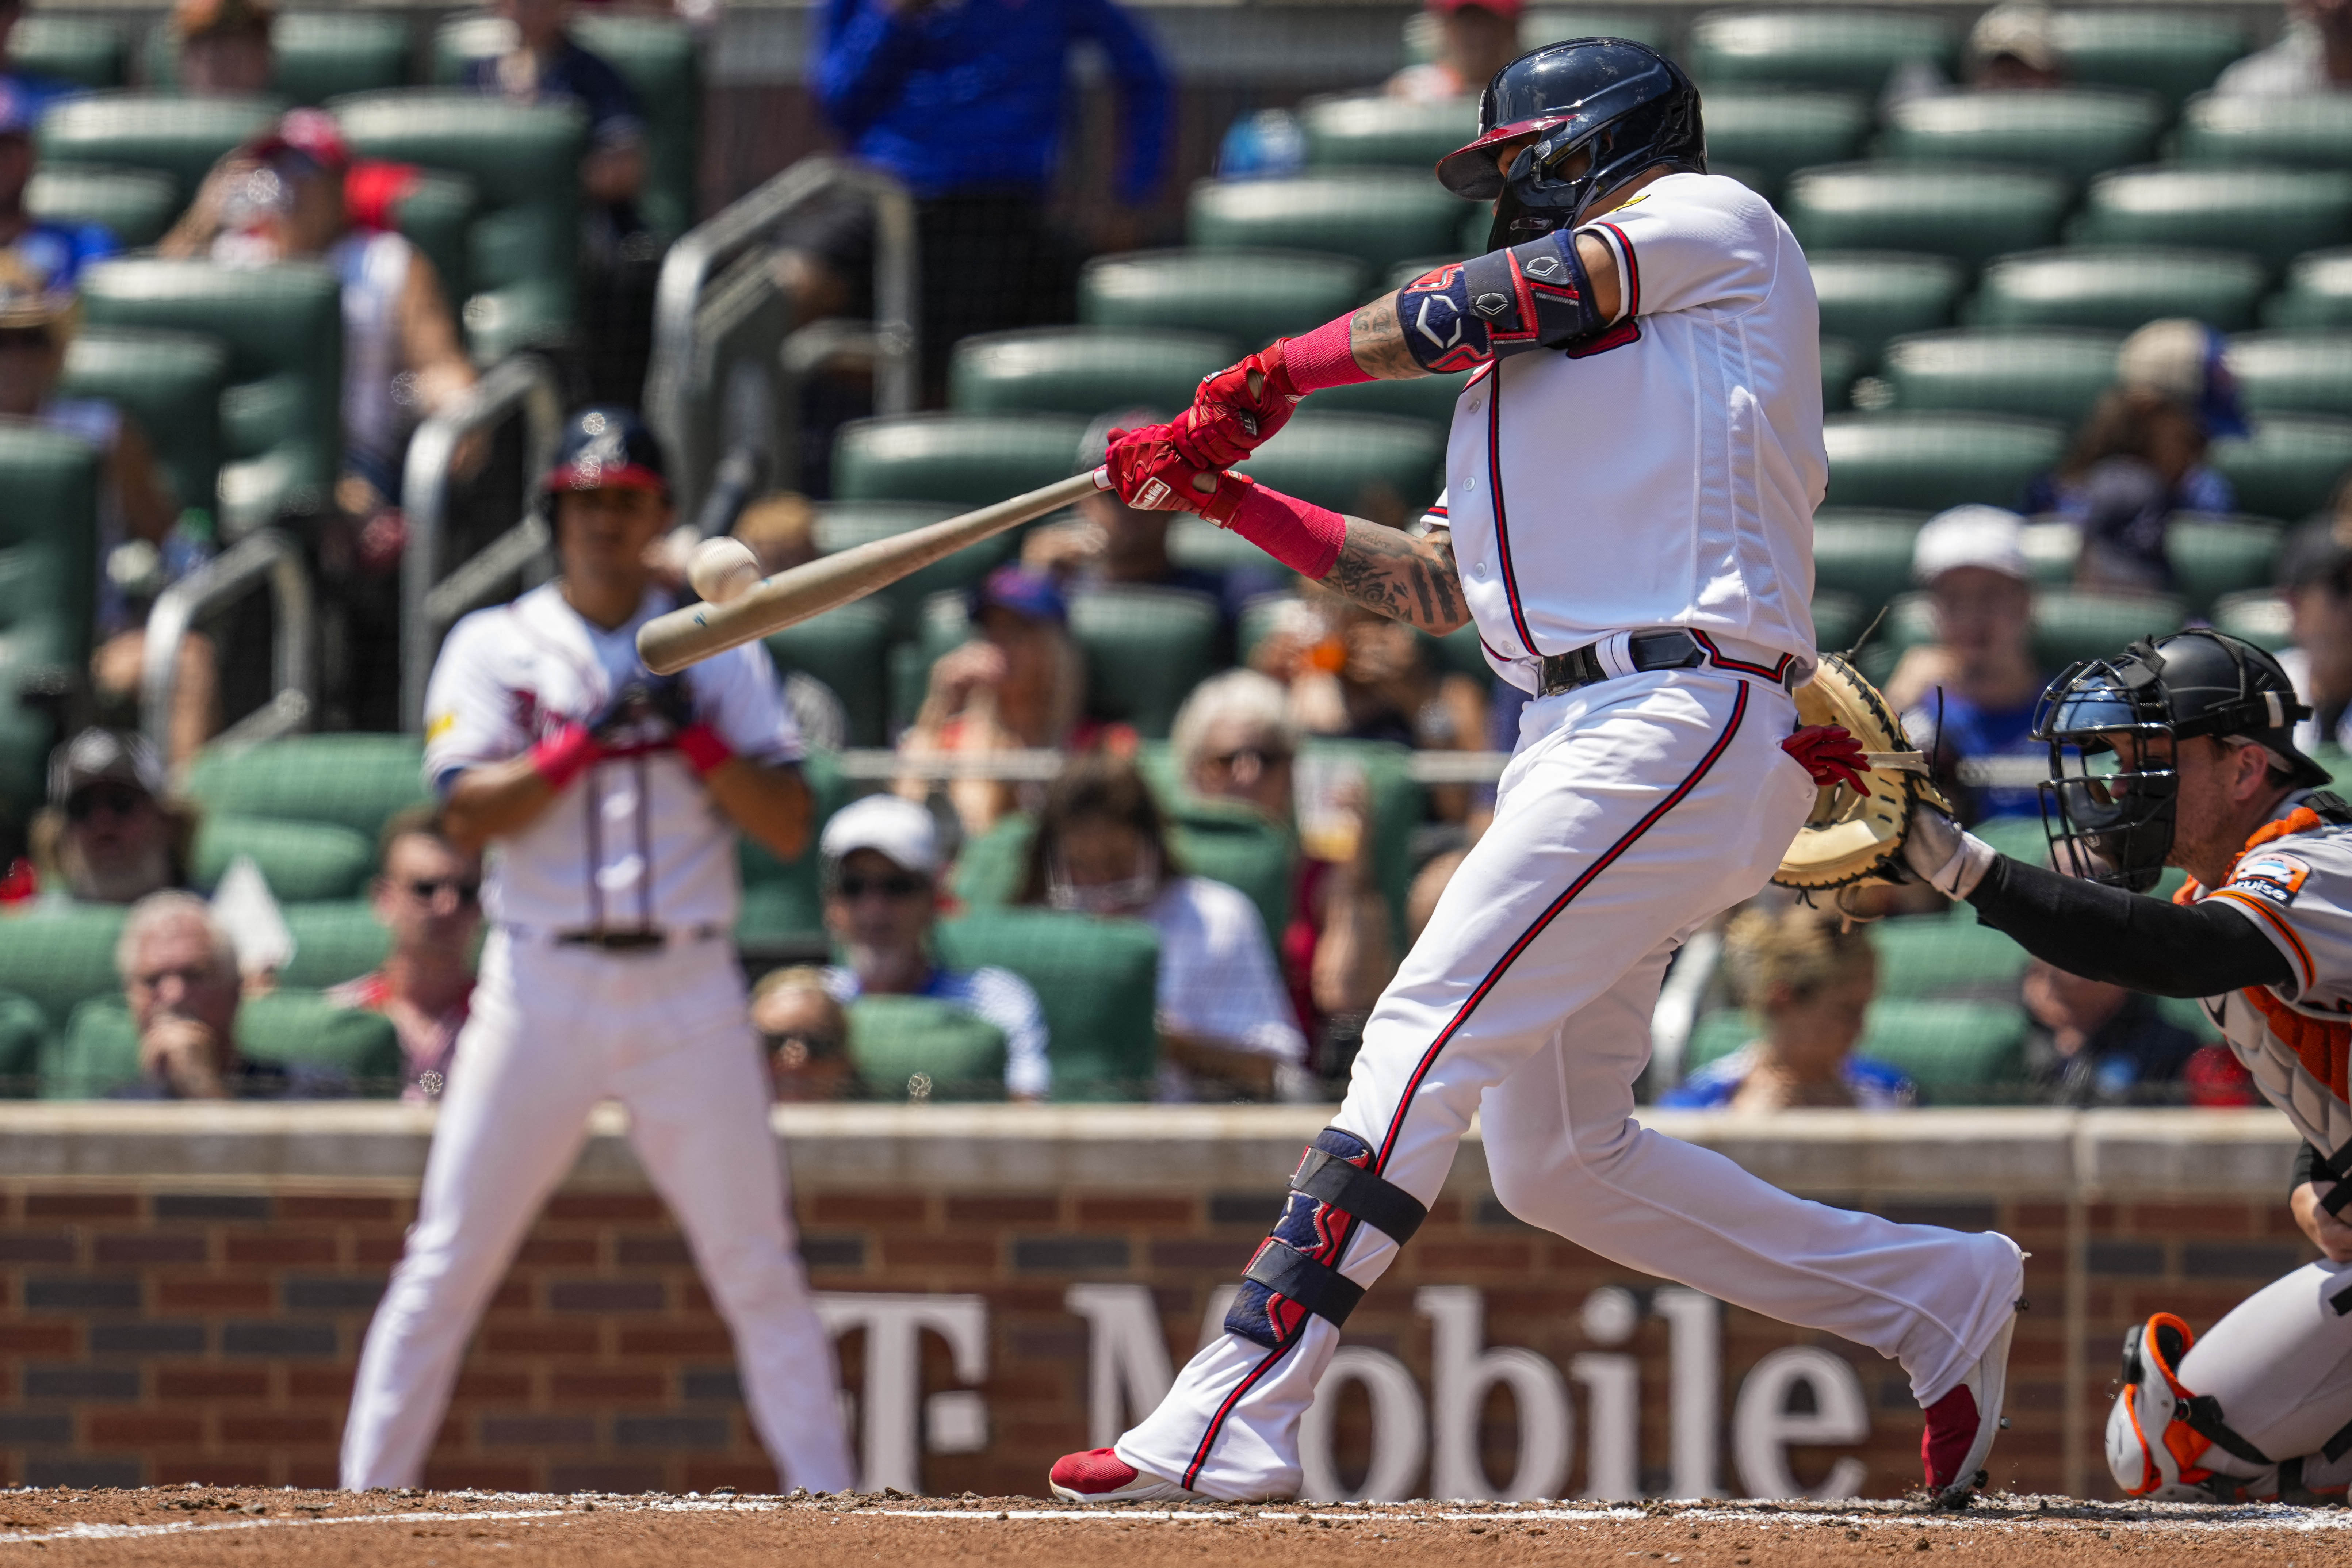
(2277, 878)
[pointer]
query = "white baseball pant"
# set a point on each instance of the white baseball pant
(2280, 1367)
(1635, 809)
(554, 1030)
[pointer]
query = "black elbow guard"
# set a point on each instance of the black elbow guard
(1532, 296)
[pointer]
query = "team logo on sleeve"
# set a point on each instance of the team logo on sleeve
(2278, 877)
(441, 725)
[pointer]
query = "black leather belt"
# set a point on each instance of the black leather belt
(1645, 650)
(642, 939)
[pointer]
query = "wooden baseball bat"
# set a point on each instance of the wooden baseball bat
(694, 632)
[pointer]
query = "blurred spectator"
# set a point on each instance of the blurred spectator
(1233, 740)
(224, 47)
(429, 897)
(2313, 55)
(2140, 456)
(780, 529)
(1019, 682)
(1475, 38)
(1808, 977)
(965, 103)
(1111, 543)
(881, 865)
(805, 1034)
(110, 833)
(2013, 47)
(51, 255)
(1970, 694)
(284, 196)
(2096, 1044)
(179, 974)
(1226, 1028)
(2317, 582)
(21, 92)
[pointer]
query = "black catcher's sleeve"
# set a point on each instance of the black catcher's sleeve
(2127, 939)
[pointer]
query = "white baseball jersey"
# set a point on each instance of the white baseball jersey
(636, 841)
(1664, 474)
(2296, 1038)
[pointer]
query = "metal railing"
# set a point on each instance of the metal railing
(1042, 764)
(267, 557)
(727, 364)
(429, 602)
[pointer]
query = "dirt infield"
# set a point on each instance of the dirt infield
(255, 1529)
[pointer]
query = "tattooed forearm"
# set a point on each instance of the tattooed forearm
(1397, 575)
(1376, 337)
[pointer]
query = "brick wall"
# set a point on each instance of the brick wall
(186, 1302)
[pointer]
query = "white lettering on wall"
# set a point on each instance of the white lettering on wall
(1763, 1427)
(1400, 1426)
(1126, 1360)
(1612, 1396)
(1460, 1374)
(896, 1417)
(1694, 1386)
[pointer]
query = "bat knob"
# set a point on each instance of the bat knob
(1102, 478)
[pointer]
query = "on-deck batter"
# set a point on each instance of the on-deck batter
(1631, 483)
(611, 799)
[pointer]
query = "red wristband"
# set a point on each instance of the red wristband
(565, 754)
(1321, 358)
(1298, 534)
(702, 748)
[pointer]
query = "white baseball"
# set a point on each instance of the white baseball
(721, 569)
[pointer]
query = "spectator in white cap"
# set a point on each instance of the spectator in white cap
(2014, 46)
(2139, 457)
(1970, 695)
(881, 866)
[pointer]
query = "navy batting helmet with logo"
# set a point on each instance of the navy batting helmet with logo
(1623, 104)
(607, 447)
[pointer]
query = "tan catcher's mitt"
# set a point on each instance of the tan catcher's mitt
(1856, 835)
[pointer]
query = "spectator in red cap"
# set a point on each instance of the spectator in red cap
(1476, 40)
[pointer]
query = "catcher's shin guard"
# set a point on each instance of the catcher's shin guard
(2159, 1430)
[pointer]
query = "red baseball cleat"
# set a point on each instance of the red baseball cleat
(1099, 1474)
(1961, 1426)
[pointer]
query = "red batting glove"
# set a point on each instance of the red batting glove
(1831, 754)
(564, 753)
(1147, 472)
(1237, 410)
(703, 748)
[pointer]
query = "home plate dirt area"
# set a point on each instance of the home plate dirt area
(251, 1528)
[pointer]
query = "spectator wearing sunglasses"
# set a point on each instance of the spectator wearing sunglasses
(110, 833)
(881, 865)
(805, 1033)
(429, 897)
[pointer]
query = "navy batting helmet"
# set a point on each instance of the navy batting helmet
(1627, 105)
(607, 447)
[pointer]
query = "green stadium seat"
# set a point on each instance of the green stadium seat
(355, 782)
(2274, 215)
(1925, 462)
(2293, 373)
(1368, 465)
(437, 215)
(335, 940)
(1197, 542)
(1379, 216)
(1548, 25)
(86, 51)
(1086, 371)
(1424, 397)
(314, 55)
(522, 251)
(1839, 619)
(1097, 980)
(2053, 551)
(964, 459)
(1947, 955)
(2260, 615)
(179, 138)
(1958, 1053)
(135, 206)
(2214, 557)
(48, 549)
(1868, 297)
(2316, 292)
(847, 648)
(1774, 134)
(1290, 291)
(99, 1053)
(171, 383)
(1865, 554)
(2048, 374)
(300, 861)
(24, 1030)
(1841, 365)
(2290, 465)
(2019, 838)
(780, 903)
(842, 525)
(1231, 844)
(2172, 53)
(918, 1047)
(2070, 625)
(59, 957)
(1386, 132)
(282, 413)
(1146, 648)
(1968, 212)
(2077, 133)
(2312, 131)
(1854, 50)
(2116, 289)
(989, 868)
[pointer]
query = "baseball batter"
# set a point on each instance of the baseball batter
(2180, 751)
(1632, 477)
(610, 800)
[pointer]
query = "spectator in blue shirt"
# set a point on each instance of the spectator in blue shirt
(963, 99)
(52, 253)
(34, 93)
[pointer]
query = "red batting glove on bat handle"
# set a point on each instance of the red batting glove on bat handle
(1238, 409)
(565, 753)
(1831, 754)
(1149, 474)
